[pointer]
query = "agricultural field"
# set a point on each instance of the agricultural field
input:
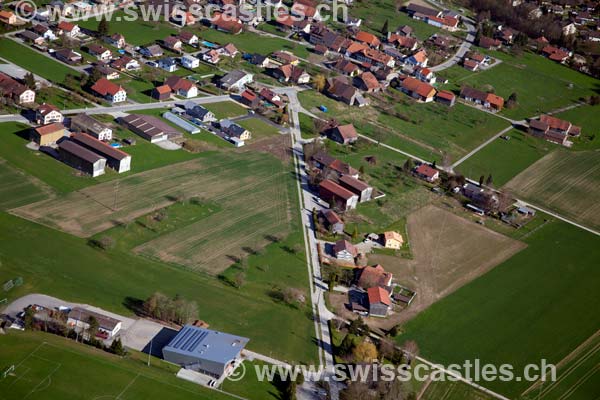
(17, 188)
(447, 390)
(443, 258)
(49, 367)
(524, 304)
(249, 42)
(504, 159)
(567, 182)
(577, 376)
(587, 118)
(34, 61)
(541, 85)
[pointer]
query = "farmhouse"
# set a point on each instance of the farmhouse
(81, 158)
(421, 91)
(367, 38)
(445, 97)
(392, 240)
(182, 87)
(188, 38)
(333, 221)
(79, 319)
(427, 173)
(67, 28)
(115, 158)
(234, 130)
(89, 125)
(379, 301)
(358, 187)
(47, 114)
(553, 129)
(367, 82)
(374, 276)
(226, 24)
(487, 100)
(337, 197)
(236, 80)
(325, 161)
(8, 17)
(150, 128)
(46, 135)
(344, 250)
(14, 90)
(343, 134)
(109, 91)
(489, 43)
(209, 352)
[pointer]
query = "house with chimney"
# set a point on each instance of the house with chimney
(109, 91)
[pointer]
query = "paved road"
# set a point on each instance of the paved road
(481, 146)
(464, 48)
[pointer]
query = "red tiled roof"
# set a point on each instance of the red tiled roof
(426, 170)
(347, 131)
(446, 95)
(374, 275)
(555, 123)
(368, 38)
(369, 80)
(495, 99)
(249, 95)
(336, 189)
(178, 83)
(103, 87)
(163, 89)
(65, 26)
(378, 295)
(49, 128)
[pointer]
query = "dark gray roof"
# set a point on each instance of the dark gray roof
(79, 151)
(233, 77)
(88, 124)
(105, 322)
(207, 344)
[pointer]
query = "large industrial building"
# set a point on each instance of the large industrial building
(150, 128)
(209, 352)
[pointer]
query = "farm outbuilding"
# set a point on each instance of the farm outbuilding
(209, 352)
(81, 158)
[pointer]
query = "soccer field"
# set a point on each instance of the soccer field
(47, 367)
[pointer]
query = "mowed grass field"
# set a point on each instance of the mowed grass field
(17, 189)
(504, 159)
(51, 368)
(34, 61)
(565, 182)
(577, 378)
(539, 304)
(541, 85)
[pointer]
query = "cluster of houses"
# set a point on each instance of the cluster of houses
(15, 91)
(446, 19)
(84, 146)
(554, 129)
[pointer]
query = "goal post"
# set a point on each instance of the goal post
(8, 371)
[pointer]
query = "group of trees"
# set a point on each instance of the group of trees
(170, 309)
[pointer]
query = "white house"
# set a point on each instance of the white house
(79, 320)
(110, 91)
(190, 62)
(168, 64)
(68, 29)
(236, 80)
(47, 114)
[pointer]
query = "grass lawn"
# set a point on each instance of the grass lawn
(504, 159)
(34, 61)
(541, 85)
(137, 89)
(307, 126)
(136, 33)
(259, 128)
(587, 118)
(13, 138)
(522, 311)
(226, 109)
(249, 42)
(51, 367)
(16, 188)
(448, 390)
(250, 387)
(61, 99)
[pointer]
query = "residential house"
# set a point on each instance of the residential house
(152, 51)
(14, 90)
(285, 57)
(106, 71)
(47, 135)
(392, 240)
(226, 24)
(168, 64)
(403, 42)
(373, 276)
(428, 173)
(324, 161)
(81, 158)
(367, 82)
(425, 75)
(100, 52)
(150, 128)
(44, 31)
(68, 29)
(8, 17)
(379, 302)
(68, 56)
(249, 99)
(182, 87)
(109, 91)
(417, 89)
(125, 63)
(47, 114)
(418, 59)
(336, 196)
(211, 56)
(489, 43)
(404, 30)
(161, 93)
(338, 89)
(333, 222)
(358, 187)
(79, 319)
(446, 97)
(236, 80)
(487, 100)
(470, 64)
(190, 62)
(447, 22)
(115, 158)
(234, 130)
(555, 54)
(188, 38)
(199, 112)
(343, 134)
(229, 50)
(260, 60)
(553, 129)
(344, 250)
(346, 67)
(116, 40)
(91, 126)
(271, 97)
(173, 43)
(367, 38)
(31, 37)
(291, 73)
(373, 57)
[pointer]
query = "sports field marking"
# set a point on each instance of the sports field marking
(39, 387)
(128, 386)
(20, 376)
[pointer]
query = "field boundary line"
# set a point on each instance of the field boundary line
(131, 382)
(48, 377)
